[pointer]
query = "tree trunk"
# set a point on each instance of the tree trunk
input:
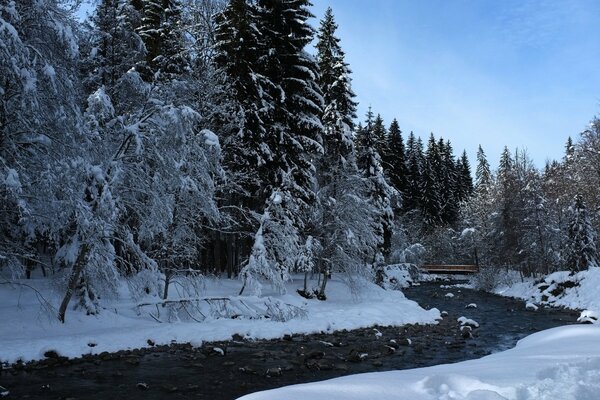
(168, 274)
(73, 280)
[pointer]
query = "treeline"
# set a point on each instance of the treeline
(163, 138)
(168, 138)
(538, 221)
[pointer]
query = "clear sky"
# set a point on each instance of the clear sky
(520, 73)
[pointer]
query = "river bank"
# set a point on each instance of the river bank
(229, 369)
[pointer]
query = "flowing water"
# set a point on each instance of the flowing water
(183, 372)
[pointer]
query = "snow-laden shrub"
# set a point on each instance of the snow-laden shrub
(147, 282)
(488, 278)
(412, 254)
(399, 276)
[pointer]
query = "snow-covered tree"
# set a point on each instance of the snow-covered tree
(39, 128)
(347, 240)
(581, 252)
(292, 121)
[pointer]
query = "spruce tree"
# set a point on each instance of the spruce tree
(581, 238)
(483, 174)
(341, 187)
(431, 190)
(292, 117)
(334, 79)
(112, 46)
(448, 180)
(379, 134)
(396, 158)
(415, 164)
(163, 35)
(380, 192)
(466, 179)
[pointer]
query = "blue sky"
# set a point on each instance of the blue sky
(511, 72)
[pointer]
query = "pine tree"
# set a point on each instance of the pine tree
(112, 47)
(379, 191)
(396, 158)
(483, 174)
(379, 134)
(466, 188)
(431, 190)
(415, 165)
(506, 236)
(293, 117)
(334, 80)
(346, 240)
(581, 246)
(448, 180)
(162, 32)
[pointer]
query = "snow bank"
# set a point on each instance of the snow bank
(576, 291)
(560, 363)
(27, 332)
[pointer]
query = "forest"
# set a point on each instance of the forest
(167, 138)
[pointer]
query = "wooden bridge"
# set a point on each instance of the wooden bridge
(450, 269)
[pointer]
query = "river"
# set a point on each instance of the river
(226, 370)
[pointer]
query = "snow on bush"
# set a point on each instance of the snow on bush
(399, 276)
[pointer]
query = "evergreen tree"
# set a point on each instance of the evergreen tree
(112, 46)
(506, 235)
(379, 134)
(448, 180)
(431, 191)
(334, 80)
(379, 192)
(411, 199)
(466, 181)
(581, 245)
(163, 36)
(483, 174)
(396, 158)
(346, 240)
(293, 117)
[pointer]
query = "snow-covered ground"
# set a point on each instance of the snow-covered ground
(563, 289)
(557, 364)
(27, 331)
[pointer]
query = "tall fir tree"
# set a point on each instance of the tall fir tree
(466, 188)
(581, 252)
(341, 187)
(483, 174)
(396, 158)
(293, 120)
(415, 163)
(112, 46)
(162, 31)
(431, 191)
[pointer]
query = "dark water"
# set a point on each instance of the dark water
(183, 372)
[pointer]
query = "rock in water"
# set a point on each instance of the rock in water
(531, 307)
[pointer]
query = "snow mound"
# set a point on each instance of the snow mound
(577, 291)
(464, 321)
(560, 363)
(588, 317)
(449, 295)
(531, 307)
(400, 276)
